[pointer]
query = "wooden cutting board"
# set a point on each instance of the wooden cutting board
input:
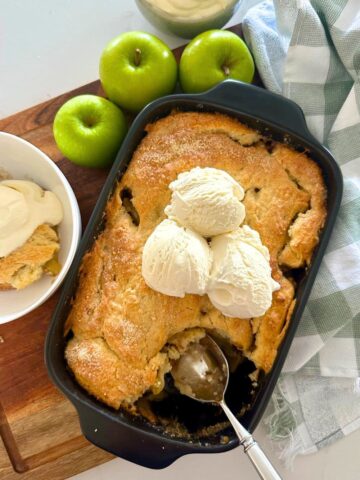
(39, 428)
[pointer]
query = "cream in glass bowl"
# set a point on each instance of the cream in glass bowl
(187, 18)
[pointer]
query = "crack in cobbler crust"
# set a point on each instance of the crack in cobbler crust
(120, 325)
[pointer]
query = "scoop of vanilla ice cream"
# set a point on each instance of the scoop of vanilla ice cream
(176, 260)
(240, 282)
(207, 200)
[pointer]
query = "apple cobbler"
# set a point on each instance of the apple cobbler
(125, 334)
(29, 241)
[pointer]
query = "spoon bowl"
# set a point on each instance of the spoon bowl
(203, 372)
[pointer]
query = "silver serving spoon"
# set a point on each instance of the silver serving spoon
(202, 373)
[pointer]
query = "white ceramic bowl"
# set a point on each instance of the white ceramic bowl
(23, 161)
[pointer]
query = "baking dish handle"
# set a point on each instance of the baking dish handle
(260, 103)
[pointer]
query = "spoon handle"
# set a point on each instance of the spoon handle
(258, 458)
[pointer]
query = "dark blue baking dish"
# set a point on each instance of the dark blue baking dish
(134, 438)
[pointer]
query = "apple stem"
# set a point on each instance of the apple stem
(137, 57)
(226, 70)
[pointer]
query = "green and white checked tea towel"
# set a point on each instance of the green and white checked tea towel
(310, 52)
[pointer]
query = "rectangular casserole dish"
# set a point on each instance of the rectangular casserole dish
(132, 437)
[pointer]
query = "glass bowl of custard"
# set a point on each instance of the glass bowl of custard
(187, 18)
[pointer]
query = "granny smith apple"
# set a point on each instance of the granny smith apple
(89, 130)
(136, 68)
(212, 57)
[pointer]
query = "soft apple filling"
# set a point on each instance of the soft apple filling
(162, 395)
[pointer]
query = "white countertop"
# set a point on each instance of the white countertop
(50, 47)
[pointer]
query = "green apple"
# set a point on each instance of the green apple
(136, 68)
(89, 130)
(213, 56)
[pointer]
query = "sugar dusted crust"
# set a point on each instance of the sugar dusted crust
(120, 325)
(27, 264)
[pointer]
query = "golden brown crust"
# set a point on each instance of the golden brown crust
(120, 324)
(96, 364)
(26, 264)
(304, 231)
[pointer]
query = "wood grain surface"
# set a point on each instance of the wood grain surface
(39, 428)
(38, 425)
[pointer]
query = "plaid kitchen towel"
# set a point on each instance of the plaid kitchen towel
(310, 52)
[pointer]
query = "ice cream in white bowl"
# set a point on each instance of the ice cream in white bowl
(23, 161)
